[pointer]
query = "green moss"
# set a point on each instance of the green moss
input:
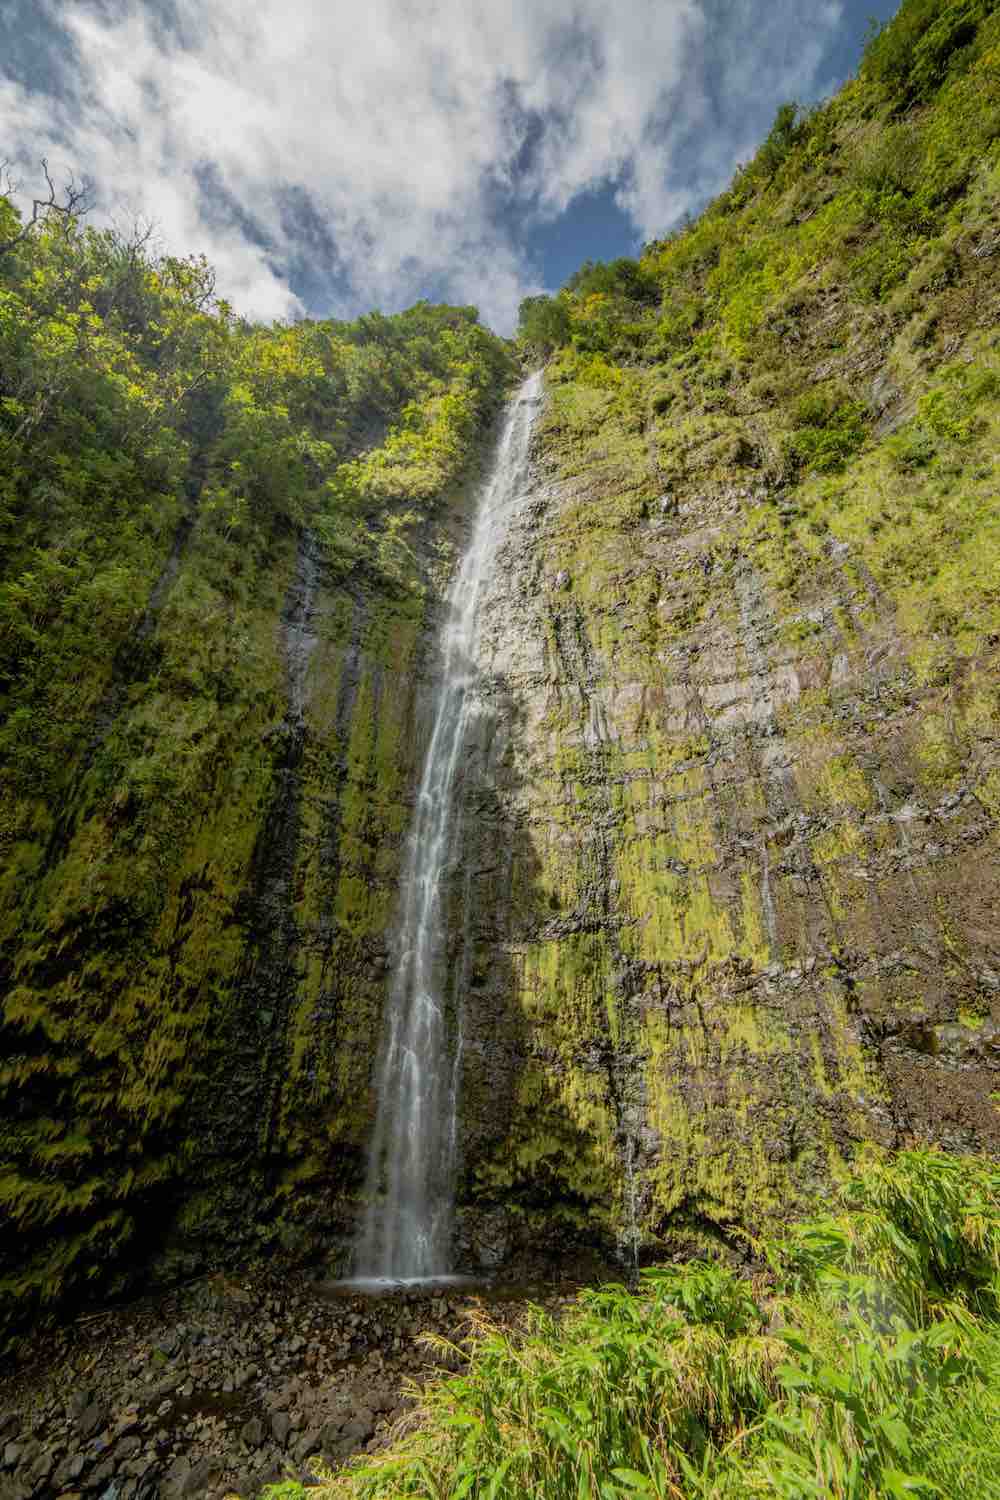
(191, 875)
(559, 1151)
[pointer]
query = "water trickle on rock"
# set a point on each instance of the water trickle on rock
(407, 1228)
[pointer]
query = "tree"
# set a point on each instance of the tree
(784, 134)
(543, 324)
(623, 278)
(74, 203)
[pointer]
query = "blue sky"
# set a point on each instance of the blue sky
(594, 227)
(330, 156)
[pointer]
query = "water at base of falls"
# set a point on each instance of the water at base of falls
(399, 1286)
(406, 1235)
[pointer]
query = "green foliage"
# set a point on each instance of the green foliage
(543, 324)
(873, 1403)
(829, 428)
(871, 1381)
(784, 135)
(912, 55)
(950, 413)
(847, 195)
(927, 1225)
(161, 460)
(709, 1294)
(826, 324)
(626, 279)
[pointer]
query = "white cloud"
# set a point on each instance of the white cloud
(424, 133)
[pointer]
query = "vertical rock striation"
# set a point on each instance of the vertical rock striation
(729, 925)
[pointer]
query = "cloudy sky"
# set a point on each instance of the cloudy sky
(331, 156)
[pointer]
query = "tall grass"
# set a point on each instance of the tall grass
(870, 1368)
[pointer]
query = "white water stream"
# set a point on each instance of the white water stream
(406, 1233)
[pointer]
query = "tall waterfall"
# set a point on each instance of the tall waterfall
(407, 1228)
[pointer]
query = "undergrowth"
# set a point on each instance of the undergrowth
(860, 1359)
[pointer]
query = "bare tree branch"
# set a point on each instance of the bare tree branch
(133, 237)
(75, 202)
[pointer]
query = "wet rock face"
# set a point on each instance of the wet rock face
(237, 989)
(732, 918)
(721, 907)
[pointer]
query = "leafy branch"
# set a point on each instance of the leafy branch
(73, 203)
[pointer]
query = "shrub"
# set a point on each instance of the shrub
(888, 164)
(926, 1225)
(543, 324)
(710, 1295)
(880, 1379)
(829, 427)
(624, 278)
(912, 55)
(784, 135)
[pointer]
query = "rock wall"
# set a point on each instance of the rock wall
(193, 1009)
(734, 853)
(722, 914)
(733, 827)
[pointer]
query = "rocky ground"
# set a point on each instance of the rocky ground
(223, 1386)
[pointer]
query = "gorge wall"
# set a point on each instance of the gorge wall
(735, 833)
(725, 908)
(213, 637)
(737, 874)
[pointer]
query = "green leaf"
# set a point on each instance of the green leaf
(795, 1341)
(638, 1484)
(498, 1476)
(897, 1433)
(793, 1378)
(904, 1486)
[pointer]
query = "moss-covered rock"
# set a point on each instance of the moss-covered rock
(724, 912)
(748, 637)
(210, 678)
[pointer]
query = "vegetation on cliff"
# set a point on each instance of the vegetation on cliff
(862, 1360)
(735, 918)
(191, 509)
(755, 925)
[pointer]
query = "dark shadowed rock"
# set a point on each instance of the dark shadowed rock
(92, 1419)
(175, 1479)
(102, 1475)
(69, 1470)
(202, 1476)
(360, 1428)
(252, 1432)
(305, 1446)
(127, 1448)
(329, 1435)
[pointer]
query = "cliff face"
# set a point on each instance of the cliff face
(212, 641)
(750, 843)
(724, 908)
(735, 831)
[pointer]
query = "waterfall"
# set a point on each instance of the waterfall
(407, 1228)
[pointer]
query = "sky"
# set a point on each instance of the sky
(329, 157)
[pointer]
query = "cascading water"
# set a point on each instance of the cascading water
(407, 1228)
